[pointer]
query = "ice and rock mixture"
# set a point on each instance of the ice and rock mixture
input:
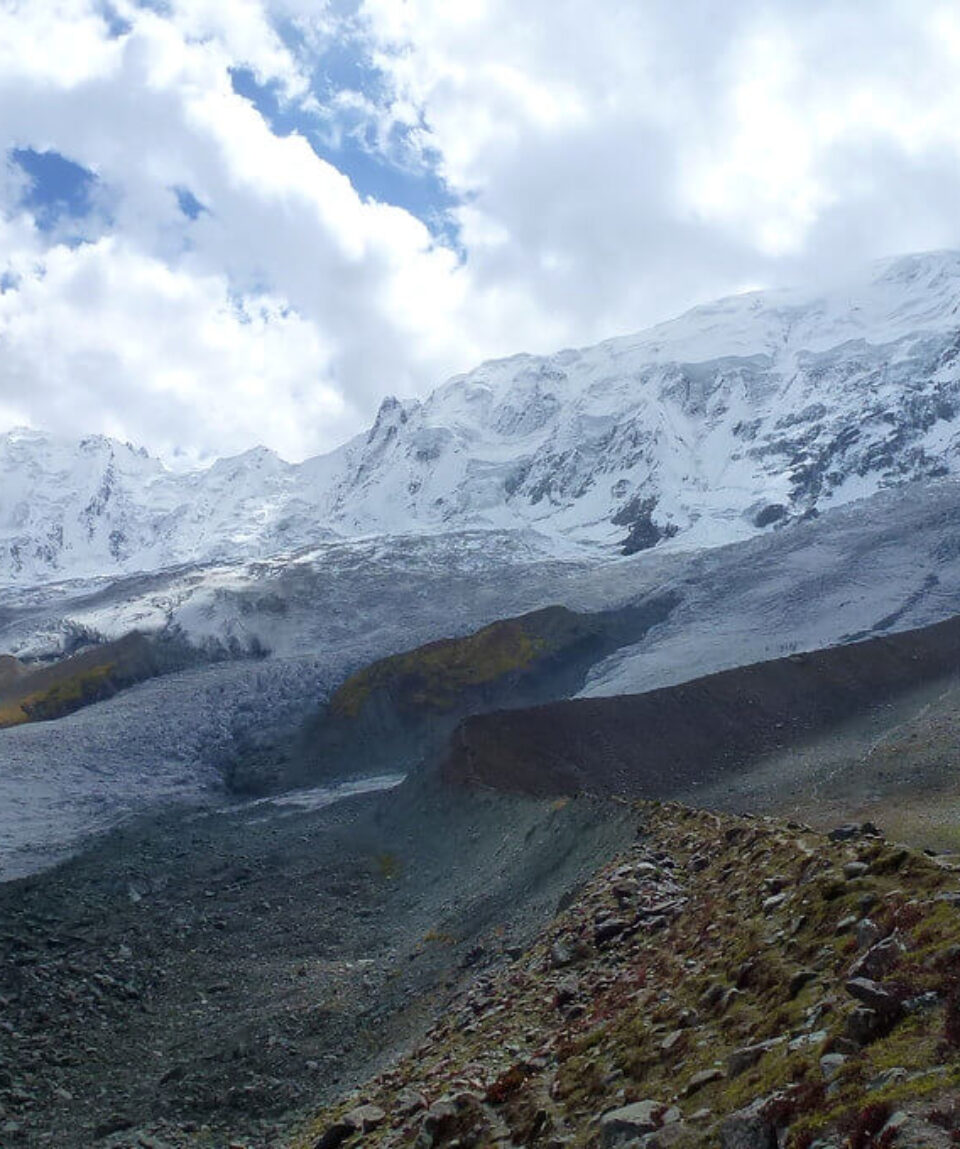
(728, 982)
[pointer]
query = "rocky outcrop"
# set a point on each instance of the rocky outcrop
(42, 691)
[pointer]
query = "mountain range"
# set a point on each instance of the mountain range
(739, 417)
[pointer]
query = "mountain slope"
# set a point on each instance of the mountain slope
(737, 416)
(724, 984)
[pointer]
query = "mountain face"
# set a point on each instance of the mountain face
(733, 419)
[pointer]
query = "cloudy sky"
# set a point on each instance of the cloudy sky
(227, 222)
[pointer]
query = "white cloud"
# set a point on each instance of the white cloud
(340, 299)
(613, 164)
(684, 151)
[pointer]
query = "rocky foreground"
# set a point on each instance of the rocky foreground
(729, 982)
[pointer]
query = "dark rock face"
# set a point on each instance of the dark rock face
(644, 532)
(772, 513)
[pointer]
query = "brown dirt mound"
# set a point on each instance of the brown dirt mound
(660, 743)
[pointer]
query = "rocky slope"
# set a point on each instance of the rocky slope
(729, 982)
(199, 979)
(732, 419)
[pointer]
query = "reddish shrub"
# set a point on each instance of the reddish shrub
(867, 1124)
(507, 1084)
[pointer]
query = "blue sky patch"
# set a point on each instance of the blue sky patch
(387, 175)
(59, 189)
(117, 26)
(188, 203)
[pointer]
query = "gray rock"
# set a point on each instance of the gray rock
(831, 1064)
(567, 990)
(701, 1080)
(408, 1102)
(620, 1126)
(746, 1058)
(365, 1118)
(895, 1125)
(880, 959)
(853, 870)
(668, 1137)
(874, 996)
(845, 832)
(864, 1026)
(868, 934)
(607, 930)
(801, 978)
(749, 1128)
(438, 1118)
(568, 951)
(887, 1077)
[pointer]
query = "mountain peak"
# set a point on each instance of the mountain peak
(742, 415)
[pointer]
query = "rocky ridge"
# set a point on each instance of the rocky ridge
(731, 982)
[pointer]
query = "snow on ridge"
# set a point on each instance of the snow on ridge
(739, 416)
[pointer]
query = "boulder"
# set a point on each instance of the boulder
(880, 959)
(335, 1136)
(746, 1057)
(867, 934)
(865, 1025)
(845, 832)
(801, 978)
(874, 996)
(749, 1128)
(365, 1118)
(621, 1126)
(609, 929)
(409, 1101)
(831, 1064)
(673, 1136)
(439, 1118)
(702, 1079)
(567, 991)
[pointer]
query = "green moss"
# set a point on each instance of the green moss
(63, 697)
(432, 677)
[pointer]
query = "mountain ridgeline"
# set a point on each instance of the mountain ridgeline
(740, 416)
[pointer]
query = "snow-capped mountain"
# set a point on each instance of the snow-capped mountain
(735, 418)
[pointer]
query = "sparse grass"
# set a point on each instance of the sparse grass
(610, 1053)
